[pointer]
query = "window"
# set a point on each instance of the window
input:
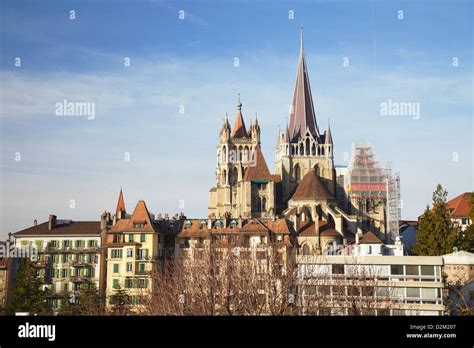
(306, 250)
(337, 269)
(464, 221)
(116, 267)
(115, 283)
(396, 269)
(143, 237)
(142, 283)
(412, 270)
(130, 237)
(141, 267)
(138, 225)
(142, 254)
(128, 283)
(427, 270)
(129, 252)
(116, 253)
(428, 293)
(67, 243)
(369, 251)
(129, 267)
(413, 292)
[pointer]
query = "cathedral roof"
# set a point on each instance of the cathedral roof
(258, 171)
(239, 130)
(303, 116)
(307, 229)
(311, 188)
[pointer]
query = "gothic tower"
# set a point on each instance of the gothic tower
(244, 185)
(301, 147)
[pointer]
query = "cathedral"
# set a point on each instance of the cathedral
(304, 193)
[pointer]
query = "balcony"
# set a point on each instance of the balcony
(141, 273)
(40, 264)
(59, 293)
(81, 263)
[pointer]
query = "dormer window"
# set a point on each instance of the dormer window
(218, 224)
(233, 224)
(187, 225)
(202, 224)
(138, 225)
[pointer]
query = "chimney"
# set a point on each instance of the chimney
(209, 223)
(239, 221)
(103, 221)
(51, 221)
(35, 222)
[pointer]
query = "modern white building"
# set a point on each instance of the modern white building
(370, 285)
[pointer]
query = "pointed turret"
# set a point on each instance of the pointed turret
(303, 115)
(328, 136)
(120, 212)
(239, 130)
(225, 129)
(255, 130)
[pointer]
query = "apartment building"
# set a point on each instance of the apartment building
(68, 255)
(135, 246)
(370, 285)
(250, 237)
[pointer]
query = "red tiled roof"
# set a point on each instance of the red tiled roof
(307, 229)
(279, 226)
(120, 205)
(259, 171)
(460, 206)
(140, 215)
(370, 238)
(69, 228)
(311, 188)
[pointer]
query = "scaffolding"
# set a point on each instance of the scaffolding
(393, 203)
(368, 183)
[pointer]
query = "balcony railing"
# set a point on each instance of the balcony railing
(72, 249)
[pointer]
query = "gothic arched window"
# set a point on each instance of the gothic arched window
(264, 204)
(297, 172)
(306, 250)
(307, 147)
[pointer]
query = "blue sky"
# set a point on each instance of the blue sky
(190, 62)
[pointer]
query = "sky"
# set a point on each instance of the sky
(156, 122)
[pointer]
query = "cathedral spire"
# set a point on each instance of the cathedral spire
(239, 131)
(303, 115)
(328, 137)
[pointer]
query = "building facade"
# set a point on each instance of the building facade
(306, 189)
(370, 285)
(135, 245)
(69, 257)
(6, 280)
